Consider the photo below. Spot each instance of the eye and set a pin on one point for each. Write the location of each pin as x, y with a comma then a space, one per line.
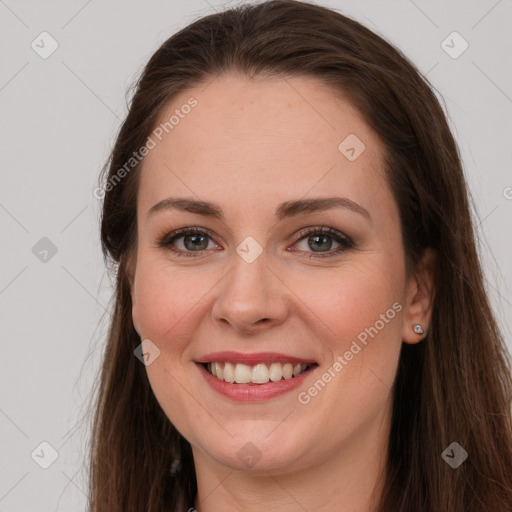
320, 238
186, 241
191, 241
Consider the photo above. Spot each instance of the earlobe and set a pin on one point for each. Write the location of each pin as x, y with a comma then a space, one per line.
420, 299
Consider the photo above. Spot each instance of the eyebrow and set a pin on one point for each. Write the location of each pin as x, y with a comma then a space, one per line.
284, 210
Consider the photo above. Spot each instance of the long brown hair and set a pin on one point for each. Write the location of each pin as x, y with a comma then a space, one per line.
455, 385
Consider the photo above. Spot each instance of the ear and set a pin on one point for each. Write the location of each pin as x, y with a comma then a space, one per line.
130, 274
420, 294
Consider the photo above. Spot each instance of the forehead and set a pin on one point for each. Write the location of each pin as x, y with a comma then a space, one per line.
253, 141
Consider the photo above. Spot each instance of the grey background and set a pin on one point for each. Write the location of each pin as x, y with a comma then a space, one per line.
59, 117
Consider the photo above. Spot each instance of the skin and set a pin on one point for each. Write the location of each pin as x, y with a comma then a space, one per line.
247, 146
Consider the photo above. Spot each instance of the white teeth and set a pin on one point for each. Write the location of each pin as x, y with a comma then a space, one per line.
242, 374
219, 371
287, 370
276, 372
229, 372
260, 373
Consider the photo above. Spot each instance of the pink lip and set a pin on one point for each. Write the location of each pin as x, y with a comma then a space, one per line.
252, 359
253, 392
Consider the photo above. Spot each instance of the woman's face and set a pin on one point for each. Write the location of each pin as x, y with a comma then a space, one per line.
263, 286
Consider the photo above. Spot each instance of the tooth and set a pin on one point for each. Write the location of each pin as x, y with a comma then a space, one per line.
229, 373
260, 374
219, 371
287, 370
276, 372
242, 373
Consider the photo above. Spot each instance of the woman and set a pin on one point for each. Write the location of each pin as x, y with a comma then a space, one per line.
300, 319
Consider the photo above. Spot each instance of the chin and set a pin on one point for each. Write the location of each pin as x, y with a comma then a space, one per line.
258, 452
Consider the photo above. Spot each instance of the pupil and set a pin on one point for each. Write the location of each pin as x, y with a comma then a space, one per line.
322, 239
196, 243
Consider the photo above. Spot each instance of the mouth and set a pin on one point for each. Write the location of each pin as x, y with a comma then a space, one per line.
255, 369
257, 374
254, 377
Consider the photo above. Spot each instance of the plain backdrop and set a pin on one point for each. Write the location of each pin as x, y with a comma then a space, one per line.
59, 116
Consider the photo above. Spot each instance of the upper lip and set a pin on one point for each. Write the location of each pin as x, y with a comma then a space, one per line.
252, 359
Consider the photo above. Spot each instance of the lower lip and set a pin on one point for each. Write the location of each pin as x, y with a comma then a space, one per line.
254, 392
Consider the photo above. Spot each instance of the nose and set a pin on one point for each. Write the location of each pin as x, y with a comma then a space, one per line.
251, 297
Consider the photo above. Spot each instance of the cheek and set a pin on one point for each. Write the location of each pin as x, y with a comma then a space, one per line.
168, 302
352, 299
360, 309
360, 312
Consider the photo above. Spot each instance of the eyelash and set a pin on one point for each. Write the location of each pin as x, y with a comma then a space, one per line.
345, 242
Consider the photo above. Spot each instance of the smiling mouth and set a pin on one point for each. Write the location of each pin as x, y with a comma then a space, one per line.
261, 373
